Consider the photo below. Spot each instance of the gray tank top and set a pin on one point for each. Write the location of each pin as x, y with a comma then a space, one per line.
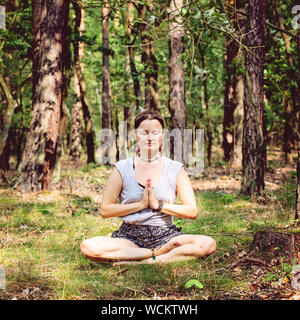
164, 190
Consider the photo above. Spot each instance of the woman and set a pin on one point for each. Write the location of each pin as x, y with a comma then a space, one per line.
147, 184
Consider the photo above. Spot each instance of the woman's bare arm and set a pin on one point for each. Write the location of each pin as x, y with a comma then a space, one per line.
109, 206
188, 207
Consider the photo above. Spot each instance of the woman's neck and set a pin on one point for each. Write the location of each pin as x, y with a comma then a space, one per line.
149, 158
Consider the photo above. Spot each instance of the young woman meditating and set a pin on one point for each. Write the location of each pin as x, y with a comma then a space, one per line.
147, 185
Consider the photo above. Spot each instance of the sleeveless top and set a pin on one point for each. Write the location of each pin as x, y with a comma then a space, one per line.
132, 191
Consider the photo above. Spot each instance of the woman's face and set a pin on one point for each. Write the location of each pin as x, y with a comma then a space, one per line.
149, 135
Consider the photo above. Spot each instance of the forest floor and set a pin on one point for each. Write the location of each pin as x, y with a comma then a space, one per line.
40, 235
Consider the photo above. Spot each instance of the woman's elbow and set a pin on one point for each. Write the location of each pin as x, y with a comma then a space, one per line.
103, 212
194, 212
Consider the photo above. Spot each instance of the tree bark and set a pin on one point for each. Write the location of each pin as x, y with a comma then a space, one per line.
298, 135
234, 92
127, 26
209, 133
9, 104
288, 114
253, 136
150, 62
78, 53
76, 123
236, 156
67, 69
77, 117
288, 137
106, 112
36, 167
5, 119
128, 17
177, 104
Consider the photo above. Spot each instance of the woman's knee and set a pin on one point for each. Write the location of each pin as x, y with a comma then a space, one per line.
85, 247
206, 245
89, 247
211, 245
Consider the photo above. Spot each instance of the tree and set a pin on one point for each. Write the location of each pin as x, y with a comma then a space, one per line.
233, 93
205, 103
253, 136
298, 136
128, 16
287, 114
9, 102
177, 104
36, 167
105, 71
77, 117
67, 74
78, 52
148, 58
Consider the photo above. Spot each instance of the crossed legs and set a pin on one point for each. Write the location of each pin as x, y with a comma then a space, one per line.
122, 251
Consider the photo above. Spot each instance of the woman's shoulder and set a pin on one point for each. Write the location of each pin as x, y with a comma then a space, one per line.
123, 163
173, 163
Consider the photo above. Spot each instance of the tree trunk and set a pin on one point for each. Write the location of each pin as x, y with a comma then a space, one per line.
78, 53
288, 137
128, 17
76, 124
234, 93
77, 117
298, 136
66, 84
177, 105
4, 157
293, 88
209, 133
253, 136
127, 14
36, 167
229, 105
106, 112
238, 116
9, 102
150, 62
5, 119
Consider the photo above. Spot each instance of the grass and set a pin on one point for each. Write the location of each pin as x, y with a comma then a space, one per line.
40, 241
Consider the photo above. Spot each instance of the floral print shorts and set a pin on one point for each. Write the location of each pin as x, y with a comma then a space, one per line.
147, 236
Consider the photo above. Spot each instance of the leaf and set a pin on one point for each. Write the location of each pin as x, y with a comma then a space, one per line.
195, 283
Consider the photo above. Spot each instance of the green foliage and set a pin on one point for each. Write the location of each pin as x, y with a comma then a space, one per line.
194, 283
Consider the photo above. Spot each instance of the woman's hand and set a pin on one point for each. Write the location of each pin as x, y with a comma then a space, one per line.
145, 197
149, 199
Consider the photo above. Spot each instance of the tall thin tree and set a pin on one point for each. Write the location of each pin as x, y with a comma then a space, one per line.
177, 103
67, 74
297, 215
148, 58
253, 135
234, 90
77, 117
89, 133
106, 112
288, 113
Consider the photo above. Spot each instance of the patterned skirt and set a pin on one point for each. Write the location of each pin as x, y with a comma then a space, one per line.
147, 236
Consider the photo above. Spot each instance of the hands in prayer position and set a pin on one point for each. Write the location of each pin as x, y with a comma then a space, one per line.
149, 198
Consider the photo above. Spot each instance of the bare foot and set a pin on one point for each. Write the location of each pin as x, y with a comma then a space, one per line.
168, 247
121, 263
